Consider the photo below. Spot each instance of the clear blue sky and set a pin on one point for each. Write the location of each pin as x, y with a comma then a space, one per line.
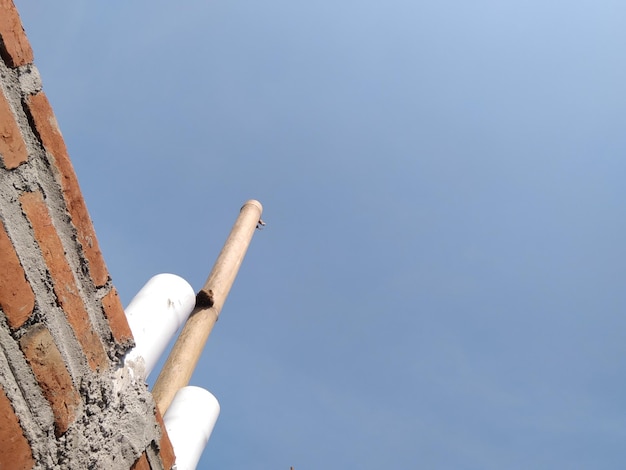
441, 283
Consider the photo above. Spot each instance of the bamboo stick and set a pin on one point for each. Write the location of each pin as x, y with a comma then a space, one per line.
184, 356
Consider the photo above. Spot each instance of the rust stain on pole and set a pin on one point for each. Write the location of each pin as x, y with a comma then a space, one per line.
182, 361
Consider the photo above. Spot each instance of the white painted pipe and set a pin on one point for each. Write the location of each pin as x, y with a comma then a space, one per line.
154, 315
189, 421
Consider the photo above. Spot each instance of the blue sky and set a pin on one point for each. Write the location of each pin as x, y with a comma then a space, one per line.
440, 284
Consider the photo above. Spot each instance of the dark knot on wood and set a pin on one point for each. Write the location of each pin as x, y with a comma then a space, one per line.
204, 299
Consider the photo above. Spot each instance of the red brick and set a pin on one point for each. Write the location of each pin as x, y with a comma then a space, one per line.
15, 49
141, 463
65, 288
54, 379
15, 453
114, 313
166, 451
52, 140
12, 146
17, 299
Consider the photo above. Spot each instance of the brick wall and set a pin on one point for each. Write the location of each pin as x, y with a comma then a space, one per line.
65, 399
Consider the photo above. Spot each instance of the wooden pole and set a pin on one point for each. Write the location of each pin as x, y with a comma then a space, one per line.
184, 356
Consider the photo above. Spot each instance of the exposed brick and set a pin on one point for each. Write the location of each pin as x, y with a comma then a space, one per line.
17, 299
15, 48
15, 451
65, 288
141, 463
114, 312
12, 146
51, 138
49, 368
166, 451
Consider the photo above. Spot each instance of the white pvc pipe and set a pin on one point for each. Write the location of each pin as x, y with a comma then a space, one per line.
189, 421
154, 315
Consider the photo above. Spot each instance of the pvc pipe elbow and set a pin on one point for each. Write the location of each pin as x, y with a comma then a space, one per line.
189, 421
154, 315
